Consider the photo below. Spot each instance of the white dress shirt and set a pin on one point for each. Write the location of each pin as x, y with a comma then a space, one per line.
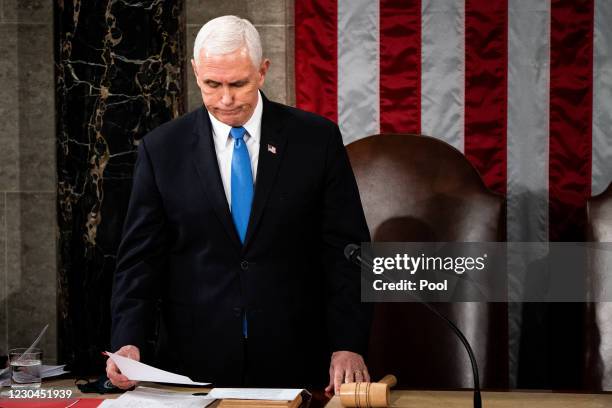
224, 146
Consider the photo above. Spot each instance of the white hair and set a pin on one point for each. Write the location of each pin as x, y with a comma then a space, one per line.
226, 34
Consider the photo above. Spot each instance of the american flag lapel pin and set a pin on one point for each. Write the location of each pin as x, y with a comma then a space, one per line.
272, 149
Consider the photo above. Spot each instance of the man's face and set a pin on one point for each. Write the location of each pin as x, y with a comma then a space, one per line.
229, 84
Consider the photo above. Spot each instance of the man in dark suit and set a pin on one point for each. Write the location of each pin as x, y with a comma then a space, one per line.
234, 236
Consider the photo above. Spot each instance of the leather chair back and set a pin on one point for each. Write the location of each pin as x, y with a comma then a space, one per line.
599, 215
417, 188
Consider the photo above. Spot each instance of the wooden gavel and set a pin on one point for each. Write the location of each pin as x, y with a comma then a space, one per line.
367, 395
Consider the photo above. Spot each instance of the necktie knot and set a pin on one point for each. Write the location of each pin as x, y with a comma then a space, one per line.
237, 133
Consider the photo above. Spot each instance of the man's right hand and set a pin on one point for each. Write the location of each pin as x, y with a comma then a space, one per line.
112, 371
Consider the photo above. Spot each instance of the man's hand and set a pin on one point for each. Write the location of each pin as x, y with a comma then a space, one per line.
113, 373
346, 367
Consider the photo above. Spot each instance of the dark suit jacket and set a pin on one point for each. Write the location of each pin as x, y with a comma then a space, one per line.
181, 255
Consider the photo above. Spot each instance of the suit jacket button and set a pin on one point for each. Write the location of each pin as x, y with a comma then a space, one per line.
244, 265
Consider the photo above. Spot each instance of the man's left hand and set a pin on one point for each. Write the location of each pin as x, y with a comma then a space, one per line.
346, 367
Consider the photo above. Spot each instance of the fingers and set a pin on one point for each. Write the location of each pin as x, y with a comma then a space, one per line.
112, 371
121, 381
124, 385
349, 375
346, 367
338, 379
356, 375
114, 375
130, 352
330, 386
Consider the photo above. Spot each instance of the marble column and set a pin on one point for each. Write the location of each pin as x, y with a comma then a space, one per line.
120, 68
27, 176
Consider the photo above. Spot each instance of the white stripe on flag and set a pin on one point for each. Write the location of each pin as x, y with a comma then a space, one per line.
358, 69
601, 174
527, 144
528, 101
443, 70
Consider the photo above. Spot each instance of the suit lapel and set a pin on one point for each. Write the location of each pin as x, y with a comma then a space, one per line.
206, 163
271, 150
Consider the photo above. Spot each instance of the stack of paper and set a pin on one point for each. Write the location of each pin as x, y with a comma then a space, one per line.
145, 397
257, 397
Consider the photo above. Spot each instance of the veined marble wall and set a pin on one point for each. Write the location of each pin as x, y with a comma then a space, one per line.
27, 176
120, 73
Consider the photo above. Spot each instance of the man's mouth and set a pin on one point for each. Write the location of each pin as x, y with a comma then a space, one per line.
229, 111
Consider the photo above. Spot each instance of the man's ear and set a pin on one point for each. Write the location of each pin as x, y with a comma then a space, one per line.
263, 70
195, 71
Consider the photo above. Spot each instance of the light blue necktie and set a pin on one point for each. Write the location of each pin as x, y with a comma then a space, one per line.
242, 192
242, 182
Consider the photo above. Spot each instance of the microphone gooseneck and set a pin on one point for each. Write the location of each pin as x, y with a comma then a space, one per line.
352, 252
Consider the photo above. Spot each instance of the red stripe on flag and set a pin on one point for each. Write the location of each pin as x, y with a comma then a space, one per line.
486, 61
316, 57
571, 104
400, 66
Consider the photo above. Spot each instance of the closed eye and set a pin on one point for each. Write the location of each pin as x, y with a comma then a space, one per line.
212, 84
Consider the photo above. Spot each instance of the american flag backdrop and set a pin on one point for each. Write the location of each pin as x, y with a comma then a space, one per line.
522, 87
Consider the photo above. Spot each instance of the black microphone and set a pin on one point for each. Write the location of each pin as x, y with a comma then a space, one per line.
352, 252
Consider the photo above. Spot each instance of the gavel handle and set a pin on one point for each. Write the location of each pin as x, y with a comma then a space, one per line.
389, 379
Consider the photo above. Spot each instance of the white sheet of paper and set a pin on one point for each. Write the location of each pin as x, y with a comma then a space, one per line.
51, 368
47, 371
275, 394
137, 371
145, 397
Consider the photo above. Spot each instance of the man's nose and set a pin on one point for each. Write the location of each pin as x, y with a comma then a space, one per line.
228, 97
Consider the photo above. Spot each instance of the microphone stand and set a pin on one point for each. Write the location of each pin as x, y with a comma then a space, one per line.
353, 253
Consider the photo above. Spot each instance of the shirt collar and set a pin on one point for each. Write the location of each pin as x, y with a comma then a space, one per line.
221, 131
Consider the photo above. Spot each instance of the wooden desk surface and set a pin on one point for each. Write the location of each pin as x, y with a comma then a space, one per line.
464, 399
429, 399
